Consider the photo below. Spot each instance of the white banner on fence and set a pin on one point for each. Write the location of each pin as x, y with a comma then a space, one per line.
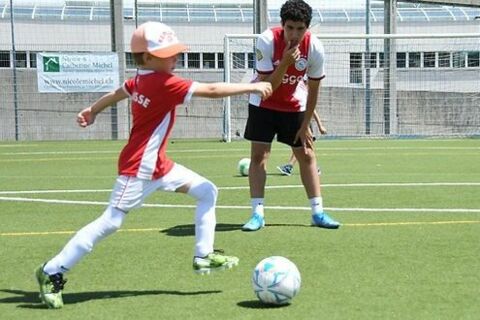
77, 72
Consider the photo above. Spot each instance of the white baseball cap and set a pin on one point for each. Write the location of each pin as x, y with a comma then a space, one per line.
156, 38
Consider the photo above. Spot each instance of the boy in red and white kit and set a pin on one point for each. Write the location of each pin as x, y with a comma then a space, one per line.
284, 57
143, 165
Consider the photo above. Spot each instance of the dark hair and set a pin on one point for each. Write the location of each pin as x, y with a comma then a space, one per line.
296, 10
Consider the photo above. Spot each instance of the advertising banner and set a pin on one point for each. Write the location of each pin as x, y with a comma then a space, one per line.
77, 72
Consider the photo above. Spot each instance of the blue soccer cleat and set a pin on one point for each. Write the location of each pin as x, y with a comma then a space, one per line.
255, 223
323, 220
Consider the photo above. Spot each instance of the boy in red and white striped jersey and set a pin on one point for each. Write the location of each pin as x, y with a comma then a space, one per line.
144, 166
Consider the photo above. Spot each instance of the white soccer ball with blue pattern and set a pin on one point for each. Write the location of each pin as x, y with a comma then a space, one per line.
276, 280
243, 166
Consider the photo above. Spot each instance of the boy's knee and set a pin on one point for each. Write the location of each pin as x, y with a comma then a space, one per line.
204, 189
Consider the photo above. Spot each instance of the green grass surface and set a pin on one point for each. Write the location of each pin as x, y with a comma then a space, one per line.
408, 248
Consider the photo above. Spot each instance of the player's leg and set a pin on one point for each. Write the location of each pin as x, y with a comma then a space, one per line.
50, 275
184, 180
309, 175
260, 130
127, 194
257, 177
290, 124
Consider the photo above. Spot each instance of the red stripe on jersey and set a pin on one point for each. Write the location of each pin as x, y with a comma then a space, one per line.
154, 96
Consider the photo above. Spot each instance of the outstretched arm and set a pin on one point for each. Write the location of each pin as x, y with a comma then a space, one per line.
87, 116
223, 89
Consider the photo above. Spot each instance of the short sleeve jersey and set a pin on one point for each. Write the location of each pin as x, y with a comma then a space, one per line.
291, 95
154, 97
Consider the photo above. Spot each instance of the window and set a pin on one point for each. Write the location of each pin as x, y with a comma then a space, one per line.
371, 60
220, 60
129, 62
251, 60
180, 61
33, 59
4, 59
458, 59
444, 60
356, 72
208, 60
473, 59
355, 60
381, 59
401, 59
414, 60
20, 59
193, 60
429, 59
238, 60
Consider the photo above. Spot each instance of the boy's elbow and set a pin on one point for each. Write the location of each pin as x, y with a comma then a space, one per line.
212, 91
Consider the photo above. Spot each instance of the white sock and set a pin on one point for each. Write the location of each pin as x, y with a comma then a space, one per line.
84, 241
206, 194
257, 206
317, 204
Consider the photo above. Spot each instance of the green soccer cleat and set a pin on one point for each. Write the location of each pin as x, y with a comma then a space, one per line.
214, 261
51, 287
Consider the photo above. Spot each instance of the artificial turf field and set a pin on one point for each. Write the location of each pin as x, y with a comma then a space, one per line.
408, 248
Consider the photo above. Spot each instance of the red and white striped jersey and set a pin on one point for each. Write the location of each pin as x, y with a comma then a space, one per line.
291, 95
154, 97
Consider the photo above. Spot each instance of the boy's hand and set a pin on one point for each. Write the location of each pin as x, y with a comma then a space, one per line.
291, 54
322, 129
264, 89
86, 117
304, 134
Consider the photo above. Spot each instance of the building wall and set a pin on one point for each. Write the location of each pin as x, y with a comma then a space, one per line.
428, 101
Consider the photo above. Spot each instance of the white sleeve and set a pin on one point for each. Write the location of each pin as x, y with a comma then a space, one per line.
316, 60
190, 92
264, 52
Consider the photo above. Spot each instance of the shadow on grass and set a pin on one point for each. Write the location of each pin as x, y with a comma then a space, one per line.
186, 230
268, 174
256, 304
30, 300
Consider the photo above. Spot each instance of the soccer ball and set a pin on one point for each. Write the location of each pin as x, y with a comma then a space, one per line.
276, 280
243, 166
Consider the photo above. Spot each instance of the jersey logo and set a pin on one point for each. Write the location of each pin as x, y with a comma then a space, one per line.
258, 54
141, 99
301, 64
291, 79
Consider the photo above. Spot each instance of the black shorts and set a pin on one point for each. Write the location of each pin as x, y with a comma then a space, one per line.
263, 124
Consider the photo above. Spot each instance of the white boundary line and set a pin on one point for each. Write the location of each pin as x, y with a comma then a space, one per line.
238, 149
103, 203
392, 184
287, 186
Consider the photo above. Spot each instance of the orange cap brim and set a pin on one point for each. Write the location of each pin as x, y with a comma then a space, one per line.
169, 51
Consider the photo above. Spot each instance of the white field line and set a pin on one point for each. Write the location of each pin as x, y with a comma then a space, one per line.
104, 203
237, 149
288, 186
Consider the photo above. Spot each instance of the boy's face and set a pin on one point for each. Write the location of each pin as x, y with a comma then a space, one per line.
294, 31
161, 64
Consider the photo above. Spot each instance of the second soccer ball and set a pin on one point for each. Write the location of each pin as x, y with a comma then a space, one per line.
243, 166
